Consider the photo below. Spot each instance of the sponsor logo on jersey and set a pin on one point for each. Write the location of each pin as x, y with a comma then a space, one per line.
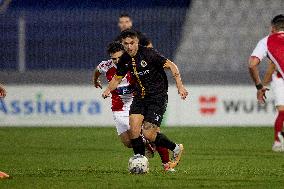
143, 63
145, 72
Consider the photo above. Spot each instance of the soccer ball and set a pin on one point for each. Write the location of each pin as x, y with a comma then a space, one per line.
138, 164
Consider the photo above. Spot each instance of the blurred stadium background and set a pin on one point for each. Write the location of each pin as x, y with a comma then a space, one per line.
59, 43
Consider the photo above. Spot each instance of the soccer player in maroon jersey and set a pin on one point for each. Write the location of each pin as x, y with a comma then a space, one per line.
272, 46
151, 88
122, 98
125, 22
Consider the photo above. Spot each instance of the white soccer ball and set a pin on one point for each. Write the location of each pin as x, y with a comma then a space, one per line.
138, 164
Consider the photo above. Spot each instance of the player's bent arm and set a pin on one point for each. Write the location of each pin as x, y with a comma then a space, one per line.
174, 69
176, 75
96, 80
269, 72
253, 70
116, 80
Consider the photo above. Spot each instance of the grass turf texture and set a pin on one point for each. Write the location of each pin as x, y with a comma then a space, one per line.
95, 158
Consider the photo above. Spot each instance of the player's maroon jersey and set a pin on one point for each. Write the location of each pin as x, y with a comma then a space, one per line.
275, 47
147, 68
122, 96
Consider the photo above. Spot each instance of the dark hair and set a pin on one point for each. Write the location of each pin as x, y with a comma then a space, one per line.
128, 33
124, 15
278, 22
114, 47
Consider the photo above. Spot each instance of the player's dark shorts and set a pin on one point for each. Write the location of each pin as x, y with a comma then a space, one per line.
152, 108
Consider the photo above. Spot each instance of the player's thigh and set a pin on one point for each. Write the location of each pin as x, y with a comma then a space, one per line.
277, 85
136, 116
136, 121
121, 119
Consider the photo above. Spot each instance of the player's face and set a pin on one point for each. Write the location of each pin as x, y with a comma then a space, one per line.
116, 56
124, 23
130, 45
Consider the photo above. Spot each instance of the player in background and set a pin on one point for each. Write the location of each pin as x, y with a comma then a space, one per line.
122, 96
272, 46
2, 91
122, 99
151, 88
125, 23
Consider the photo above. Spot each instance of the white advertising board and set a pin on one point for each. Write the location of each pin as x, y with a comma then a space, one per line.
220, 106
54, 106
83, 106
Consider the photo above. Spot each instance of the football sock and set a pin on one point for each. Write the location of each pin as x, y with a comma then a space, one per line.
163, 141
138, 146
164, 154
278, 125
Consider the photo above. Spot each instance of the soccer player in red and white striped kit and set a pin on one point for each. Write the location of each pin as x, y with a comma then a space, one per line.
272, 46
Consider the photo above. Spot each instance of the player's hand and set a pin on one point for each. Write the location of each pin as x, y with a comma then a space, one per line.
2, 92
106, 93
97, 84
182, 92
260, 94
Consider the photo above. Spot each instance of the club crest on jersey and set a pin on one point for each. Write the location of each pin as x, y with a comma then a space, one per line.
143, 63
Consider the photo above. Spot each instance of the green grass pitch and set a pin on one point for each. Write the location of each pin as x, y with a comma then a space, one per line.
234, 157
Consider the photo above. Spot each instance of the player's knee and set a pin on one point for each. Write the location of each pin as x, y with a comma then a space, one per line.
135, 131
151, 136
149, 126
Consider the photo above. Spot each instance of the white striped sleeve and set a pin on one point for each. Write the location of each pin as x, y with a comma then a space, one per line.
260, 50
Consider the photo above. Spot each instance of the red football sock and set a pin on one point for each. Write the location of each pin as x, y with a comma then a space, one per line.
278, 126
164, 154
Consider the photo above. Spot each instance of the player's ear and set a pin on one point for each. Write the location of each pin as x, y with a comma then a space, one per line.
273, 29
136, 39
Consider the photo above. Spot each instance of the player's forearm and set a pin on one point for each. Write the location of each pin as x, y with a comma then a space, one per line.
113, 84
268, 74
176, 75
253, 70
254, 74
96, 76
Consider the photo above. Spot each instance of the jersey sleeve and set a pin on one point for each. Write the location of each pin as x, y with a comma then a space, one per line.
102, 67
156, 58
122, 67
260, 50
